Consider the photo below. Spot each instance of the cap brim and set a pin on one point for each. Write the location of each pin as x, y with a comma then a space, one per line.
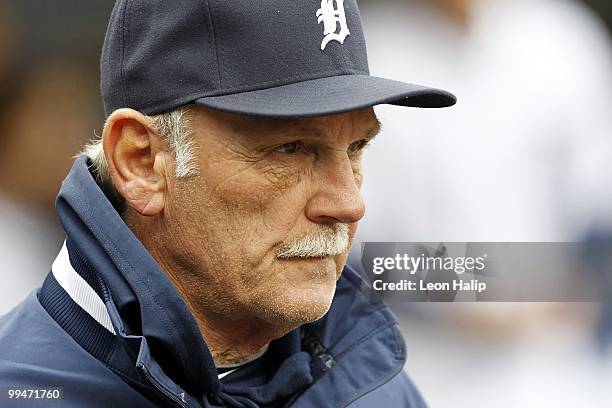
328, 96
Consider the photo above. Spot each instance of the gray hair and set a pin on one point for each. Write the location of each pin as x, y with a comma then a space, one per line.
330, 241
174, 127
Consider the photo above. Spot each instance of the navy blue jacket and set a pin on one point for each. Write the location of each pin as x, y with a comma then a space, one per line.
109, 328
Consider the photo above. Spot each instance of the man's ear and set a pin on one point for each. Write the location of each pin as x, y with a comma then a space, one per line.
138, 160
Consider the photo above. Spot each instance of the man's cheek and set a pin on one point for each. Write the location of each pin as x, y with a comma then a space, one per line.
281, 176
245, 195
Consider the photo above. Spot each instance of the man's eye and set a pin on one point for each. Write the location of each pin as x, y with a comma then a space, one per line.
358, 146
288, 148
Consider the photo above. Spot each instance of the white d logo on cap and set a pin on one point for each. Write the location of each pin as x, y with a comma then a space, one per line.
332, 20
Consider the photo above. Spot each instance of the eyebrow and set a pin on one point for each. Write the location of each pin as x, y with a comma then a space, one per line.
369, 134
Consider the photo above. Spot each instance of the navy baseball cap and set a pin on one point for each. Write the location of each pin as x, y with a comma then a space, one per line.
275, 58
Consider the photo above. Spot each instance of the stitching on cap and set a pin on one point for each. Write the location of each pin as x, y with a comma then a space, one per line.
285, 81
214, 33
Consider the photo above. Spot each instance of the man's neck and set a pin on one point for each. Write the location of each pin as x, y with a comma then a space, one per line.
231, 339
236, 341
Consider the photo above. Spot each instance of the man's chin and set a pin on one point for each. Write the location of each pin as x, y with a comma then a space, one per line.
296, 307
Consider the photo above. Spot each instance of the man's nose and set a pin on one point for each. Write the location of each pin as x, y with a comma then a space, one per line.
337, 197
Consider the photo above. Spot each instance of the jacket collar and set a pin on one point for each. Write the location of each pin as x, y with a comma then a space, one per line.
144, 301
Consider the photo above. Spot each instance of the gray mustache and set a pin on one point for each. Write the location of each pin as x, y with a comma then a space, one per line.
331, 241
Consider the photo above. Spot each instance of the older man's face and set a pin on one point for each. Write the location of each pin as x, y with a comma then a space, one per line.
264, 229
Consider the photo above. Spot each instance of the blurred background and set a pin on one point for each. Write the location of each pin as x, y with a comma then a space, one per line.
526, 155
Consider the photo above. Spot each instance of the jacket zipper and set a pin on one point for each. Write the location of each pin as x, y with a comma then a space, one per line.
161, 388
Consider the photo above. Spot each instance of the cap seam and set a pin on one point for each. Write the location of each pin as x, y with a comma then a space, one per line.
285, 81
344, 59
363, 35
214, 33
124, 28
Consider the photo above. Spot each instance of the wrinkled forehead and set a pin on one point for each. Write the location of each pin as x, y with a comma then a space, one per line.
359, 123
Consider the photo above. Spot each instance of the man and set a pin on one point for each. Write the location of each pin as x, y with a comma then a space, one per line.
208, 228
